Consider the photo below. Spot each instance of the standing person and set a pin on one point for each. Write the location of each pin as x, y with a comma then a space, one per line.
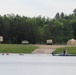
64, 52
53, 53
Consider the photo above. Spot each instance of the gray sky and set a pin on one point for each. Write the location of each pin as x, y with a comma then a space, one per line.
31, 8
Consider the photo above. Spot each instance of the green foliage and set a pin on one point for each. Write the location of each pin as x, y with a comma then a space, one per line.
74, 11
16, 48
15, 28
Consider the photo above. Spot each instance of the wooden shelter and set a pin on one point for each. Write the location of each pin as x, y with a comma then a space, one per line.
49, 42
1, 39
71, 42
25, 42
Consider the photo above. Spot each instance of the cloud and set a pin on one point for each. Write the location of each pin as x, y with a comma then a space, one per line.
36, 7
54, 6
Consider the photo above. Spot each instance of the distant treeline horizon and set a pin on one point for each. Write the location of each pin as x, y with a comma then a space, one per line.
36, 30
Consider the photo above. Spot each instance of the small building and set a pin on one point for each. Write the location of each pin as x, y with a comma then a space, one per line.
1, 39
71, 42
25, 42
49, 42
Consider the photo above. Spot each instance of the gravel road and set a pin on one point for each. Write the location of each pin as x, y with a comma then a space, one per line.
46, 49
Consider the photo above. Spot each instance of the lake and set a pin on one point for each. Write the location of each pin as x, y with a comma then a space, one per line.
37, 64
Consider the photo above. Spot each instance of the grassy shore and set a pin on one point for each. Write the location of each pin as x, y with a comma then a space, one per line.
16, 48
70, 50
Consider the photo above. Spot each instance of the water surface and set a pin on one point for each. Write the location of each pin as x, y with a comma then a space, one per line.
37, 64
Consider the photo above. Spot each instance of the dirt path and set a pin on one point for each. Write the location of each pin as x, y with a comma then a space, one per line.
46, 49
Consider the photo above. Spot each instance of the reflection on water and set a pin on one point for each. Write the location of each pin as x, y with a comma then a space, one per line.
37, 64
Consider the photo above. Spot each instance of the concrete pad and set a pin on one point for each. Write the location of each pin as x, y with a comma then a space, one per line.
43, 51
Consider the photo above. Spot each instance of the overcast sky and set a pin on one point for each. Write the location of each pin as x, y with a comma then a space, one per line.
31, 8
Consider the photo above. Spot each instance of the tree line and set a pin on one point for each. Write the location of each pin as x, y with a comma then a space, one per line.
36, 30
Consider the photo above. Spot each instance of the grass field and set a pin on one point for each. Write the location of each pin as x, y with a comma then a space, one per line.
16, 48
70, 50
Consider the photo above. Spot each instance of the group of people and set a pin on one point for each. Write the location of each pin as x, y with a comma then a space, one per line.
64, 52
